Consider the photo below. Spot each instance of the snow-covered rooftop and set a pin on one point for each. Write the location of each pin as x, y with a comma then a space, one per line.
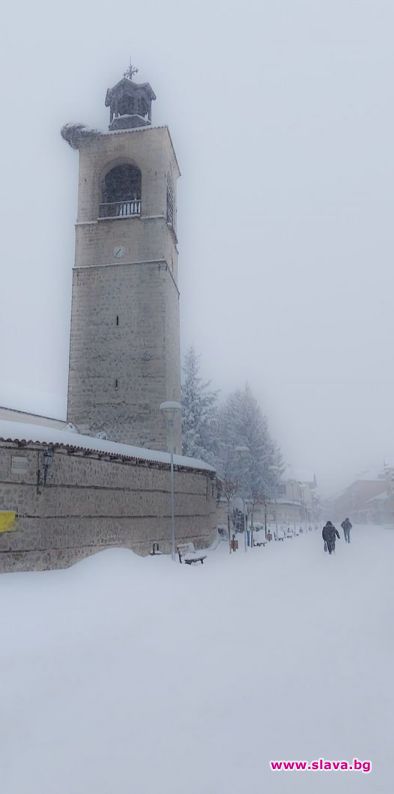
300, 475
381, 497
42, 434
371, 475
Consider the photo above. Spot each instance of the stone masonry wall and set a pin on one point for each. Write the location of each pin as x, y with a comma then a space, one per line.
91, 503
124, 341
124, 356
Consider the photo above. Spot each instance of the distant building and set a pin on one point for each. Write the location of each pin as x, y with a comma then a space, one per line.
294, 503
368, 500
297, 501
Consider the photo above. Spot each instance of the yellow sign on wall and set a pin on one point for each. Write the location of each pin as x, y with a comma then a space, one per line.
7, 520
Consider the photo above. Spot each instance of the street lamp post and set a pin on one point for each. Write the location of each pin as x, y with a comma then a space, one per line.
246, 524
242, 452
277, 470
229, 490
171, 410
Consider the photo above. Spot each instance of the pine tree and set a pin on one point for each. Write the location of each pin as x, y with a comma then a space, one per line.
248, 454
198, 412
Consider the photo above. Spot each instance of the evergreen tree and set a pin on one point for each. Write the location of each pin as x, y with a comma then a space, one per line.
248, 455
198, 412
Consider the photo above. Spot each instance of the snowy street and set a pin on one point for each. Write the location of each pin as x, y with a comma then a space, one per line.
126, 674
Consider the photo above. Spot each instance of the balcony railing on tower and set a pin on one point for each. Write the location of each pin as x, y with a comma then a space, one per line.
120, 209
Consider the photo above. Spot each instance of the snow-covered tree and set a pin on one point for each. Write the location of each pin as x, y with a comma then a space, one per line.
248, 455
199, 412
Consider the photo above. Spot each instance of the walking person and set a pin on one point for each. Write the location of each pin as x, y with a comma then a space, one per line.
329, 534
346, 526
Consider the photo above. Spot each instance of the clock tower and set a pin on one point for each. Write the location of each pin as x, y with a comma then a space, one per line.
124, 343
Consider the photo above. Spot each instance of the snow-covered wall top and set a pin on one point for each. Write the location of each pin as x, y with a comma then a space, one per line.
19, 431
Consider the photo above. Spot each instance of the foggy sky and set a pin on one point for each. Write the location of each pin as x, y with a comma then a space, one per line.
281, 113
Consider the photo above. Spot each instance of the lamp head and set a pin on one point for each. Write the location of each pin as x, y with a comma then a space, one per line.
171, 411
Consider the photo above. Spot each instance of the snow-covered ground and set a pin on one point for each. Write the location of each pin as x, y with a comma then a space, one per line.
125, 675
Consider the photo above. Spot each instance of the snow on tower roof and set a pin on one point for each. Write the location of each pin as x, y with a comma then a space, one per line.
125, 84
71, 440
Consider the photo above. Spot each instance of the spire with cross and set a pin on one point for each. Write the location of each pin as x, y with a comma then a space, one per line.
131, 71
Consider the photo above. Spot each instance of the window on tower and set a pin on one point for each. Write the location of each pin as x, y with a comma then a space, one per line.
170, 203
121, 192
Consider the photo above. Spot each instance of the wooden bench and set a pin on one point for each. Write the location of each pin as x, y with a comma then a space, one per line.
188, 554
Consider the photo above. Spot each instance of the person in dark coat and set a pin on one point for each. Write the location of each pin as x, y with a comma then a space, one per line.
346, 526
329, 534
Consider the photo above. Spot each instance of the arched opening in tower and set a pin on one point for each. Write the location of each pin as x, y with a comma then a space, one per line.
121, 192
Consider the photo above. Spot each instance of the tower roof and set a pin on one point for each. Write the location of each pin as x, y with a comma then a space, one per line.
129, 102
125, 85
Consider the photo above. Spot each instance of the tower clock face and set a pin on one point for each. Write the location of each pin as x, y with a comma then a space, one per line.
119, 251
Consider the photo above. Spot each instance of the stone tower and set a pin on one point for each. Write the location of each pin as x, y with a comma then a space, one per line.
124, 345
